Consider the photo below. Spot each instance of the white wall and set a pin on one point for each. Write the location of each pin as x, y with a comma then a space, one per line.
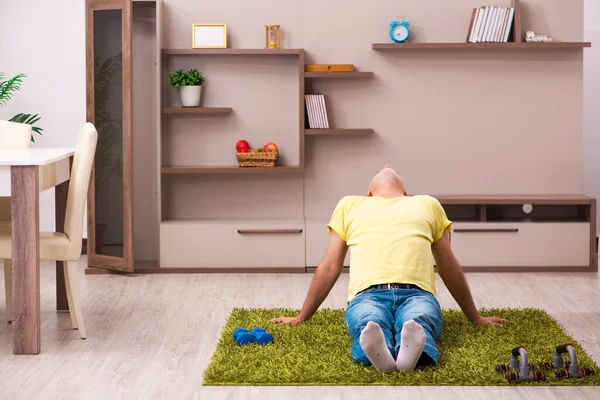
46, 40
591, 122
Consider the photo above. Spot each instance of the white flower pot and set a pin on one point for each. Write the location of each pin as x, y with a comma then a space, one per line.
190, 95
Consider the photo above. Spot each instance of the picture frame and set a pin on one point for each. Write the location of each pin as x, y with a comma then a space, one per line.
209, 36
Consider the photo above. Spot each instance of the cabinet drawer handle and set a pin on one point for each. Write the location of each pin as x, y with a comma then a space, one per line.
484, 230
243, 231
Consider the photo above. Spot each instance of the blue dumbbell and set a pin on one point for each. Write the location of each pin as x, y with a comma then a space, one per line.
255, 331
242, 336
262, 337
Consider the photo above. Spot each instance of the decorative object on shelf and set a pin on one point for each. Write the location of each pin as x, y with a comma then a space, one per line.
329, 68
209, 36
316, 112
190, 86
531, 37
399, 32
265, 156
491, 24
7, 89
272, 36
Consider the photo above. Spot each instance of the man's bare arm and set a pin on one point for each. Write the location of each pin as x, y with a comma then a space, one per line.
326, 275
454, 278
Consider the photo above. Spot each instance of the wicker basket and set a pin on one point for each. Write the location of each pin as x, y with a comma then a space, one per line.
261, 159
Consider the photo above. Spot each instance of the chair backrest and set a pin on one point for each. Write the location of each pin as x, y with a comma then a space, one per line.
14, 135
79, 183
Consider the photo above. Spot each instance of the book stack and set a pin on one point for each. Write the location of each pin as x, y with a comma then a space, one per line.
491, 24
316, 111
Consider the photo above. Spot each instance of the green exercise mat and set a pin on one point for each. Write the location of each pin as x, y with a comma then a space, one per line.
318, 352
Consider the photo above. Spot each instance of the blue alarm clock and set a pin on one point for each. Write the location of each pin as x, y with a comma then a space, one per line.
399, 32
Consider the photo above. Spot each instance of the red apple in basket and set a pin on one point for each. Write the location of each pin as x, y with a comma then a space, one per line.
271, 148
240, 145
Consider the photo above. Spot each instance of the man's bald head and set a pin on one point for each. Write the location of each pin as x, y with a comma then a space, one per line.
387, 183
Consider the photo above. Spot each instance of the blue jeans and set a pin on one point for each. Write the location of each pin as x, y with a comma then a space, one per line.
390, 309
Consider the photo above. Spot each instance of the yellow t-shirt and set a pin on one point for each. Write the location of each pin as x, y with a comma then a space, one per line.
389, 239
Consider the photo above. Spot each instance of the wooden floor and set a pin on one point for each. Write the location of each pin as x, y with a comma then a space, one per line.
152, 336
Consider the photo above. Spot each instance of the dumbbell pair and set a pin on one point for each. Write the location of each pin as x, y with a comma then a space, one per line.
243, 337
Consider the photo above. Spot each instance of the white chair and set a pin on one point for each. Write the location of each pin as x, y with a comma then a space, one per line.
66, 246
13, 135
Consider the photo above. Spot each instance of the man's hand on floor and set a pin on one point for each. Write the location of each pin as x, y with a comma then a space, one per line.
293, 321
495, 321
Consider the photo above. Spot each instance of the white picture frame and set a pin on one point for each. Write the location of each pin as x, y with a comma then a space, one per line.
209, 36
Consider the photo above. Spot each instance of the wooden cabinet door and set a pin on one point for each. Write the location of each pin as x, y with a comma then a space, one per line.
109, 108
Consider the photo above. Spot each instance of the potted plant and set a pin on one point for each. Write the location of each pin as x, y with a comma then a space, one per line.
190, 86
7, 89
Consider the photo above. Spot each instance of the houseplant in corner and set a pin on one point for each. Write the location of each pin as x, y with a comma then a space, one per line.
190, 86
7, 89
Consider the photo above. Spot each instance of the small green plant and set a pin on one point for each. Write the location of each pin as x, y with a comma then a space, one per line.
7, 89
180, 78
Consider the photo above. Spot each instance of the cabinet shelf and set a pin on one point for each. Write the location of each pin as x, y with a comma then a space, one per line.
338, 75
233, 52
196, 110
217, 169
338, 132
232, 221
489, 46
495, 199
509, 208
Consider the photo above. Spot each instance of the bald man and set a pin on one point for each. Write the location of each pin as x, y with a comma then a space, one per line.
392, 313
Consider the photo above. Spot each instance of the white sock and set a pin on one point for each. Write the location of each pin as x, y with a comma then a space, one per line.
373, 344
411, 346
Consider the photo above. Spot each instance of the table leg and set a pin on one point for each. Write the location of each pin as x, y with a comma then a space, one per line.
26, 259
60, 201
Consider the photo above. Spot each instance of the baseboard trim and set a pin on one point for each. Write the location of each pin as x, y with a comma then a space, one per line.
198, 270
593, 268
300, 270
531, 269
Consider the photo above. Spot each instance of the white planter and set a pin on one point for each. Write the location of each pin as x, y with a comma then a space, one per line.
190, 95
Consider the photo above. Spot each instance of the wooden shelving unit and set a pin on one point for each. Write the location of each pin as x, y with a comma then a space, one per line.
338, 132
484, 226
338, 75
550, 236
489, 46
517, 42
205, 169
233, 52
196, 110
200, 169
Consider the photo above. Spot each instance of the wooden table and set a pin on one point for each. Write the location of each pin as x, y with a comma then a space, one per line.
24, 173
